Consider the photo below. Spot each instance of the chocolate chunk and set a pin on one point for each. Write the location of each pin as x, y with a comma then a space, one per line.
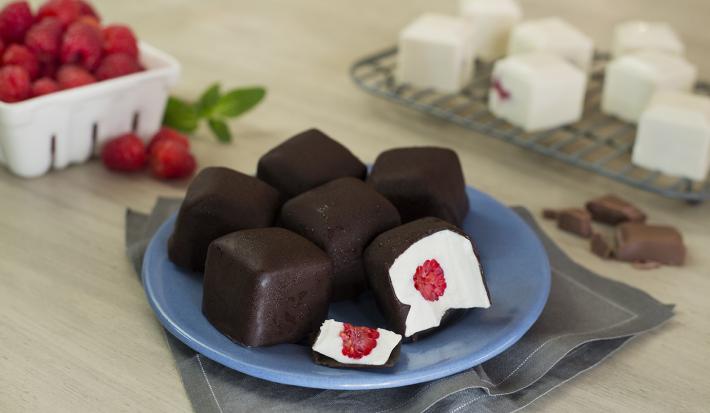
420, 272
266, 286
601, 247
613, 210
341, 217
641, 242
343, 345
548, 213
218, 201
307, 160
422, 182
576, 221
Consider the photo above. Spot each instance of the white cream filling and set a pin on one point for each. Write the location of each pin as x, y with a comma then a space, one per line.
330, 344
462, 272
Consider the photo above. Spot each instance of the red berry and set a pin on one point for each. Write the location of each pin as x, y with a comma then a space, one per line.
15, 19
85, 9
125, 153
67, 11
81, 45
14, 84
429, 280
170, 159
115, 65
44, 39
21, 56
120, 39
166, 133
358, 341
70, 76
44, 86
48, 69
2, 46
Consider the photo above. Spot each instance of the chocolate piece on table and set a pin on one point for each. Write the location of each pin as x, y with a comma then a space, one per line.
422, 182
549, 213
600, 247
346, 346
305, 161
613, 210
266, 286
640, 242
576, 221
219, 201
341, 217
419, 272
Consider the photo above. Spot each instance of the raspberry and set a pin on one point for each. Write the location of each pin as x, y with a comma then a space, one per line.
125, 153
170, 134
67, 11
429, 280
14, 84
81, 45
44, 86
120, 39
44, 39
115, 65
15, 19
70, 76
170, 159
21, 56
358, 341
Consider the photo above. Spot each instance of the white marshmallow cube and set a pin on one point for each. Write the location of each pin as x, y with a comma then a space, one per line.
634, 36
537, 91
492, 22
435, 51
674, 135
553, 35
631, 80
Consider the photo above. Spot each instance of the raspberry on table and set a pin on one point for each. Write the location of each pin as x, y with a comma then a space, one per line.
166, 133
170, 159
71, 76
116, 65
429, 280
44, 86
44, 39
15, 19
82, 45
14, 84
120, 39
125, 153
67, 11
358, 342
21, 56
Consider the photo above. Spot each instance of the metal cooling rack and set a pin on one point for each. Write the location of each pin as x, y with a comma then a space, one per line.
598, 142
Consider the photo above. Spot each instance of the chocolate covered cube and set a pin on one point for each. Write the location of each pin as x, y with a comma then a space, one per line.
492, 21
422, 182
575, 220
305, 161
344, 345
266, 286
637, 242
218, 201
610, 209
341, 217
419, 272
636, 35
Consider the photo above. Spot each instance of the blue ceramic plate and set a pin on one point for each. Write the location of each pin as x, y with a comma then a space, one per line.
516, 269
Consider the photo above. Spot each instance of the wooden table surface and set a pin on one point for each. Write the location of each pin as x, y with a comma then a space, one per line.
76, 332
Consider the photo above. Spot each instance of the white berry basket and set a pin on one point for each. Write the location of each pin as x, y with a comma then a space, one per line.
67, 127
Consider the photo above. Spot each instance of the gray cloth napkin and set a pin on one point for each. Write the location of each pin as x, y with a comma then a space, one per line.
586, 319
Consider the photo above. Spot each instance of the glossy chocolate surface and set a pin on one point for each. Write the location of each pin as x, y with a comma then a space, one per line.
575, 220
655, 243
611, 209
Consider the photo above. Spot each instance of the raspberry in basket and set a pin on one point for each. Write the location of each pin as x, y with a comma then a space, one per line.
44, 39
44, 86
67, 11
116, 65
14, 84
82, 45
120, 39
21, 56
70, 76
15, 19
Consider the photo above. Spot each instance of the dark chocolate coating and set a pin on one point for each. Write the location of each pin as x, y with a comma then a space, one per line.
266, 286
641, 242
341, 217
219, 201
324, 360
305, 161
610, 209
422, 182
576, 221
381, 254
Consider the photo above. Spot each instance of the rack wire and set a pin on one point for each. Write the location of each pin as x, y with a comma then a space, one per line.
598, 142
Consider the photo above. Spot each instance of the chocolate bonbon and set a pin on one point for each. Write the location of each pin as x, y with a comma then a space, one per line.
576, 221
637, 242
266, 286
610, 209
346, 346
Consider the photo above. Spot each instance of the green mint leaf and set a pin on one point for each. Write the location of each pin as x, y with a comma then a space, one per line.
238, 101
221, 130
208, 100
180, 115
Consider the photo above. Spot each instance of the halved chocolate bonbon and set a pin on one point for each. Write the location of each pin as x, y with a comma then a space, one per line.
266, 286
344, 345
420, 271
218, 201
